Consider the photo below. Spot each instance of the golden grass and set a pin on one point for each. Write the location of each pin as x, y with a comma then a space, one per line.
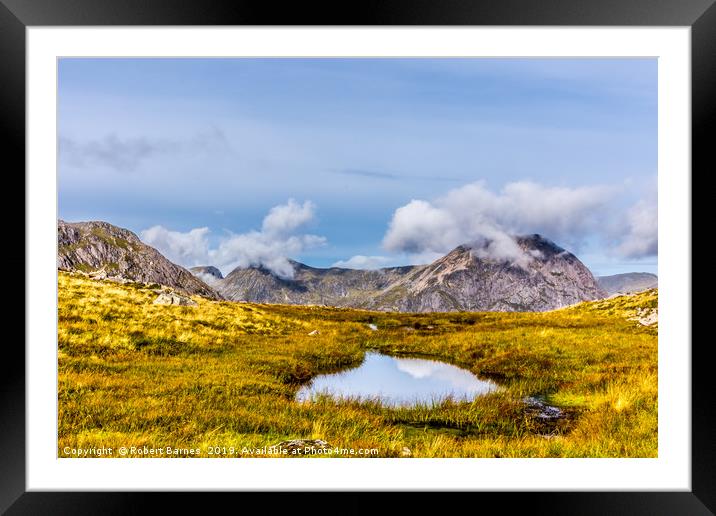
224, 375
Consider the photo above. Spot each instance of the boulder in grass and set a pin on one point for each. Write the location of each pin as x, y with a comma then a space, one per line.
301, 446
171, 298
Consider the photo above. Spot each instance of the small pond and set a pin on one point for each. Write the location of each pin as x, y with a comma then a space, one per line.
399, 382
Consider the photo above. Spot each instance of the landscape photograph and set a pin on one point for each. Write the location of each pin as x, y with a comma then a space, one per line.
274, 258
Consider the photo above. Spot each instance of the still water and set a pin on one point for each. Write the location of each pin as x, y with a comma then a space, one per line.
399, 382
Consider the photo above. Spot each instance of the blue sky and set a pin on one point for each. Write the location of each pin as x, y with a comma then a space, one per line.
392, 160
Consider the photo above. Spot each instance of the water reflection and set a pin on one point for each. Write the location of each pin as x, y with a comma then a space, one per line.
397, 381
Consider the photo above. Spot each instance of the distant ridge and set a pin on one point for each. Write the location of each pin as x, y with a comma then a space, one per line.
628, 283
208, 274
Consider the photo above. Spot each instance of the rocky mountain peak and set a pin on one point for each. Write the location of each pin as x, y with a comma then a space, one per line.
537, 242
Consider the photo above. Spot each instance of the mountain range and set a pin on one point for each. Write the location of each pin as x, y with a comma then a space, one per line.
465, 279
462, 280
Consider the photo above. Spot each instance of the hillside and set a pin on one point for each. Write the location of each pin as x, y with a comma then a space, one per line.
107, 251
640, 307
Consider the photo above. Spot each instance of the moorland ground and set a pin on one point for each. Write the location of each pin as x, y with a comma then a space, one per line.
225, 374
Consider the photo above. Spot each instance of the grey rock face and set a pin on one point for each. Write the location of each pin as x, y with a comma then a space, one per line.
459, 281
110, 252
628, 283
334, 287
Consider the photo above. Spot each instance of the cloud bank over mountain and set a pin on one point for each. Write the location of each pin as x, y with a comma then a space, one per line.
423, 230
280, 237
475, 214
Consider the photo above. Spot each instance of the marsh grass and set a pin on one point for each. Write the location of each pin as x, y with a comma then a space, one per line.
131, 373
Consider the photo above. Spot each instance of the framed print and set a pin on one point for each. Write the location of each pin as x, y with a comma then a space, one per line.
422, 252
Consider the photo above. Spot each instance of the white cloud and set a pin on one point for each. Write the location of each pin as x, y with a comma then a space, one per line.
419, 226
207, 278
475, 215
189, 248
269, 248
286, 218
262, 249
365, 262
497, 245
641, 231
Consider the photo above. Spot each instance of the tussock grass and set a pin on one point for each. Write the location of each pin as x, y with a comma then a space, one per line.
225, 375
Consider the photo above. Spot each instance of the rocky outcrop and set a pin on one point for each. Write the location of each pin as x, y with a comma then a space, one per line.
303, 446
109, 252
646, 316
170, 298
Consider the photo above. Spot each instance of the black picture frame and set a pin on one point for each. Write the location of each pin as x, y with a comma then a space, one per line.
17, 15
